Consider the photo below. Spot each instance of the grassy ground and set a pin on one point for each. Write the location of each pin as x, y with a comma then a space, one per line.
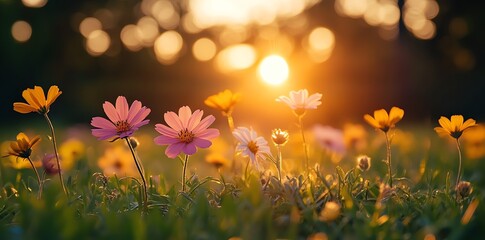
232, 203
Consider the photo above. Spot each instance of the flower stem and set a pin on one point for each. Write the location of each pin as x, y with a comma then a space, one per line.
184, 170
138, 166
39, 194
388, 158
230, 122
54, 143
458, 177
279, 160
300, 121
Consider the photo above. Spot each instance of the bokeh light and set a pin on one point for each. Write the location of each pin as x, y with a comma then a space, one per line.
274, 70
319, 44
89, 25
204, 49
147, 30
21, 31
167, 46
34, 3
236, 57
97, 42
131, 38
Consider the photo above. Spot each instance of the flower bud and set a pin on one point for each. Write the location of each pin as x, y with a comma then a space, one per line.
49, 164
363, 162
279, 137
330, 212
134, 142
464, 189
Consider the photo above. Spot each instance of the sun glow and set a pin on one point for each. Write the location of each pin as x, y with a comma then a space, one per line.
273, 70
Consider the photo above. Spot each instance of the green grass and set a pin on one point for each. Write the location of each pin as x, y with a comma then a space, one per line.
422, 205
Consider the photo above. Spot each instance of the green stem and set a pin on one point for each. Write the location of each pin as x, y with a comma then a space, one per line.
458, 177
279, 161
54, 143
300, 121
388, 146
39, 194
184, 170
230, 122
138, 166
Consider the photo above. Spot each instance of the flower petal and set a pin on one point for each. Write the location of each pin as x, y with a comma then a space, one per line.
166, 131
122, 107
202, 143
371, 121
467, 124
165, 140
445, 123
173, 121
189, 148
111, 112
208, 134
184, 116
23, 107
52, 95
194, 120
204, 124
134, 110
173, 150
395, 115
101, 122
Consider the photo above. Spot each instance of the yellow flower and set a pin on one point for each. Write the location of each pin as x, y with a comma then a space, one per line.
118, 161
384, 121
36, 100
355, 136
474, 140
22, 147
217, 160
14, 161
454, 127
223, 101
71, 151
279, 137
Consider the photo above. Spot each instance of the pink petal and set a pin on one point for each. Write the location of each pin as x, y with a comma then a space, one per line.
173, 121
184, 115
140, 124
127, 133
134, 109
164, 140
173, 150
110, 111
194, 119
164, 130
208, 134
101, 122
103, 134
190, 148
202, 143
204, 124
122, 107
142, 114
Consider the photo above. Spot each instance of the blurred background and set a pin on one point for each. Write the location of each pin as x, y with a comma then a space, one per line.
425, 56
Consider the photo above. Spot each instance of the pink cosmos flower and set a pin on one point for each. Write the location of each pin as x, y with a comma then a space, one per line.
250, 144
329, 138
185, 132
299, 101
123, 120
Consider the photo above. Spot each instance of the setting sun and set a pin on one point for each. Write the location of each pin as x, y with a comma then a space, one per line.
273, 70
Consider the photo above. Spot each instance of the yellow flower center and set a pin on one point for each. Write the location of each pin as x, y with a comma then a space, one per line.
186, 136
253, 147
122, 126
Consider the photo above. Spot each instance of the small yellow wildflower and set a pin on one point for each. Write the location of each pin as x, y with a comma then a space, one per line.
223, 101
474, 140
454, 127
384, 121
279, 137
22, 147
14, 161
217, 160
36, 100
117, 161
71, 151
